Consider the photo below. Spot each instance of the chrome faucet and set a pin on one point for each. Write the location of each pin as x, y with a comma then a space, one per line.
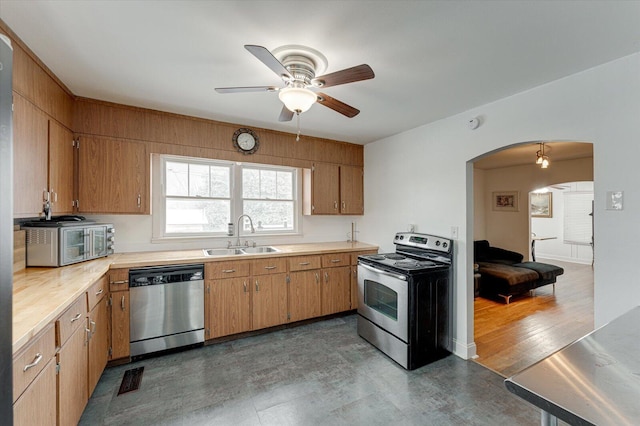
253, 230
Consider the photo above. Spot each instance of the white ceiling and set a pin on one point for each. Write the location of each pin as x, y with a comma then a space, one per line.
432, 59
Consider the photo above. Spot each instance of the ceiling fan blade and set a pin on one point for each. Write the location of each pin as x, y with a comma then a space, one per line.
337, 105
286, 114
349, 75
247, 89
269, 60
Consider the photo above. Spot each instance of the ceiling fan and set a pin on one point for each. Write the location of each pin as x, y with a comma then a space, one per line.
298, 66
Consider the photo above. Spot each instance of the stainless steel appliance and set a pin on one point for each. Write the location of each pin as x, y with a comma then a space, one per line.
167, 307
6, 228
67, 239
404, 299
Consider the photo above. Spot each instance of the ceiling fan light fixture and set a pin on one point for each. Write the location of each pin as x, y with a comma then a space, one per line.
541, 159
297, 99
545, 162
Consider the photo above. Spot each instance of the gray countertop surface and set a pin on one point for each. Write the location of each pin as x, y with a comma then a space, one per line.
595, 380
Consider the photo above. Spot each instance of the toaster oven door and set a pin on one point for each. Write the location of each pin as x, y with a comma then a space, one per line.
74, 245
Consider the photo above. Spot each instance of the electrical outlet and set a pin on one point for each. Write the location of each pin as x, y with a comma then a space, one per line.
454, 232
411, 227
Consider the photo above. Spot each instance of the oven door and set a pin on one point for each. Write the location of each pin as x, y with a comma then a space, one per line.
383, 300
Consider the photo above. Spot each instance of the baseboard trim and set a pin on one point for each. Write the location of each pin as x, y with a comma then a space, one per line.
463, 350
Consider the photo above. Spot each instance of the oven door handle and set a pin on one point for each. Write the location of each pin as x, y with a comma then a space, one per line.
378, 271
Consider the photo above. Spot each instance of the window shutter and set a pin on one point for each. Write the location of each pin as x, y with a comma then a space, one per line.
577, 217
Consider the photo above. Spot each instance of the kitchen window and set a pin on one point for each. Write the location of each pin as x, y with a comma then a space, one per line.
195, 197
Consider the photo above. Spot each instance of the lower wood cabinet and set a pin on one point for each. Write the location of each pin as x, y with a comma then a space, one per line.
336, 290
72, 376
304, 294
98, 343
269, 301
34, 381
228, 303
120, 324
37, 405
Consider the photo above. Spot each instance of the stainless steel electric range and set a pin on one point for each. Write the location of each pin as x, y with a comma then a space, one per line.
405, 299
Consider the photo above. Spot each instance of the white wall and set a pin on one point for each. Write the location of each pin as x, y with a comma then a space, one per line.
511, 230
554, 227
133, 233
421, 176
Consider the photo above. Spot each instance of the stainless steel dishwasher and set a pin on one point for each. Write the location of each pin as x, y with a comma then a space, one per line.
167, 307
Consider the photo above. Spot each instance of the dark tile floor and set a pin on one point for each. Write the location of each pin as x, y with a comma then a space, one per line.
317, 374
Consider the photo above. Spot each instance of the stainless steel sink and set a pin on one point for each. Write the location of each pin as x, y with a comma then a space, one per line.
222, 252
260, 249
239, 251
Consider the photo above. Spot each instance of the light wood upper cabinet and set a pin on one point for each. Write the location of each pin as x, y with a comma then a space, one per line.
269, 300
304, 294
228, 307
61, 168
113, 176
30, 157
351, 190
333, 189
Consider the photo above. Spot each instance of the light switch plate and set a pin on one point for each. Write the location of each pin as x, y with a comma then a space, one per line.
615, 200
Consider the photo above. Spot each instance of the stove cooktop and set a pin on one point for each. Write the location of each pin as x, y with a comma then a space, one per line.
401, 262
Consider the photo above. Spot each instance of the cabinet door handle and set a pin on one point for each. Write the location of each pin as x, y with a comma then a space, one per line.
93, 327
335, 205
326, 277
122, 303
336, 260
270, 267
304, 263
257, 287
317, 278
139, 201
86, 342
99, 292
76, 318
35, 362
228, 271
344, 206
245, 286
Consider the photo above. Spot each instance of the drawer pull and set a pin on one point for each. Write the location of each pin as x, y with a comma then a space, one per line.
120, 282
76, 318
270, 267
305, 263
99, 292
228, 271
35, 362
335, 260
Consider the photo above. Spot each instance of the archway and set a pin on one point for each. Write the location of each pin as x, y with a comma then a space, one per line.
512, 169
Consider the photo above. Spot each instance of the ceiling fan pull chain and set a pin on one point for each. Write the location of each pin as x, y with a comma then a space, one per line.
298, 119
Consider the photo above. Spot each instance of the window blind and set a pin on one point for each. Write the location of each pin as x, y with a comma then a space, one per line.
577, 220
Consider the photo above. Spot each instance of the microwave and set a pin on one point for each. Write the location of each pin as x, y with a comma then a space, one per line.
65, 243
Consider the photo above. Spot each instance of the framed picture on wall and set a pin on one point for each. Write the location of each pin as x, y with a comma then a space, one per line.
505, 201
541, 204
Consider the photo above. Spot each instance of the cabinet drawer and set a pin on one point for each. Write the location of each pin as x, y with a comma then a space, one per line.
336, 259
229, 269
275, 265
96, 292
354, 256
303, 263
71, 319
32, 359
119, 279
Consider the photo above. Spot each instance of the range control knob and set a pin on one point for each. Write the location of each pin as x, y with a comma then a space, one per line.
438, 243
444, 245
402, 237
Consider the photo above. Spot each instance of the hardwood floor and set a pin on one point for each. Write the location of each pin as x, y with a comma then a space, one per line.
512, 337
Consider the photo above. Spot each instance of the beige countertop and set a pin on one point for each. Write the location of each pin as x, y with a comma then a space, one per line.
40, 295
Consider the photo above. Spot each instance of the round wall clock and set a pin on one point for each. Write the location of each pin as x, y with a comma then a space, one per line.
246, 141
